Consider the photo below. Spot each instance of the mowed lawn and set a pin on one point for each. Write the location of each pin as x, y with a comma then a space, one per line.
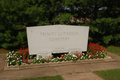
57, 77
109, 74
2, 51
113, 49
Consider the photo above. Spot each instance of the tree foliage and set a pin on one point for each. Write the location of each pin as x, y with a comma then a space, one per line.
16, 15
106, 30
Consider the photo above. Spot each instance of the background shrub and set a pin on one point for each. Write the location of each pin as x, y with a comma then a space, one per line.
16, 15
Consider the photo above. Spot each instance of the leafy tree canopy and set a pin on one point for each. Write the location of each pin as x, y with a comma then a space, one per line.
15, 15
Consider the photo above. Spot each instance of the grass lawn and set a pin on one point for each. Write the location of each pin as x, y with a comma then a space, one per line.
57, 77
4, 51
109, 74
113, 49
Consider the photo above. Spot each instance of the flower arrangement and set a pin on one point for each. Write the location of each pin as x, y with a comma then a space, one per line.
94, 51
94, 47
18, 58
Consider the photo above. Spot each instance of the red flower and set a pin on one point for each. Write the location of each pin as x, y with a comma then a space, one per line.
62, 56
27, 58
91, 56
12, 57
77, 54
94, 47
98, 54
88, 53
95, 56
80, 55
27, 62
20, 51
48, 60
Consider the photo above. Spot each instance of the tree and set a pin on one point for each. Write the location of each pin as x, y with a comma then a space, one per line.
16, 15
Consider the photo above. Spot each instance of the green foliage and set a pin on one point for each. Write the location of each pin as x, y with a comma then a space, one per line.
57, 77
62, 18
15, 15
105, 30
21, 38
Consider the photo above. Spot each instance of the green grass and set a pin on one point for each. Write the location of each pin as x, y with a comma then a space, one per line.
75, 73
70, 73
109, 74
2, 51
57, 77
78, 72
113, 49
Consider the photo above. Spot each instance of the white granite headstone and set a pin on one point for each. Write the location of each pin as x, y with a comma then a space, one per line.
44, 40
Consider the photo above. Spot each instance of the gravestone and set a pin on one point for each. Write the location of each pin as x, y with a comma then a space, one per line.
45, 40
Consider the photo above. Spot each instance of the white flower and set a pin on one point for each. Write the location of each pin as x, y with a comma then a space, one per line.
74, 55
17, 58
86, 54
30, 56
89, 56
13, 60
82, 57
52, 60
9, 52
10, 63
12, 51
7, 55
83, 53
37, 58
